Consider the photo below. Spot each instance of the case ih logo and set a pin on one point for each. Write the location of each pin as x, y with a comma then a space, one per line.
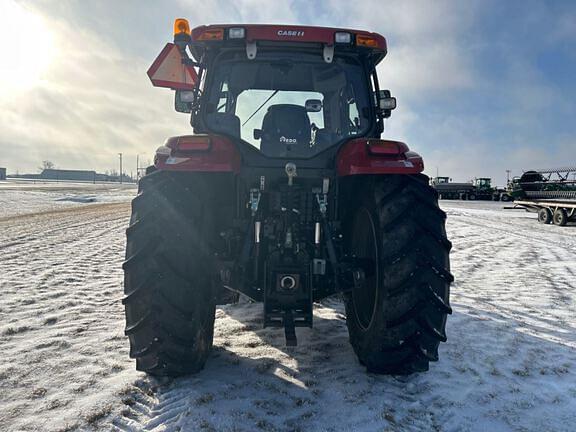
290, 33
288, 140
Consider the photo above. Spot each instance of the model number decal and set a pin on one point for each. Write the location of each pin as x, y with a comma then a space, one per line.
290, 33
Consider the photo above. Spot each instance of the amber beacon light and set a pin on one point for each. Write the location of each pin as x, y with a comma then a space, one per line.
181, 26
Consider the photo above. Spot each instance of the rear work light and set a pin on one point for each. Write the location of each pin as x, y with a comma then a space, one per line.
212, 34
367, 41
388, 103
386, 148
236, 33
342, 37
189, 144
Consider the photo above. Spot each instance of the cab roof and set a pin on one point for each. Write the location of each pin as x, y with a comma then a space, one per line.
277, 33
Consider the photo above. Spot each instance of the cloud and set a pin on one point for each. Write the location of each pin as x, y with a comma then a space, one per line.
425, 38
481, 88
92, 103
95, 99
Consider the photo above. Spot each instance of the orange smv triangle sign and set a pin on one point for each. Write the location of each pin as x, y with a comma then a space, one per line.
169, 71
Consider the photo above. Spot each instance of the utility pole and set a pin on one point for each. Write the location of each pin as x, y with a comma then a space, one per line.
507, 176
137, 168
120, 154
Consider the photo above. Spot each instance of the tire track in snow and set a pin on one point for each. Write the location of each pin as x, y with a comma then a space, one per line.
523, 225
517, 274
509, 363
64, 356
253, 382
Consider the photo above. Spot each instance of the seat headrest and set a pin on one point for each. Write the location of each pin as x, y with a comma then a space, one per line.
285, 127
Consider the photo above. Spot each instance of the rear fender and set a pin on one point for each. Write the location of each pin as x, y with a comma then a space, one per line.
376, 156
198, 153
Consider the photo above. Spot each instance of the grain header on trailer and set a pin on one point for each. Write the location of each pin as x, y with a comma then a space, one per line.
551, 193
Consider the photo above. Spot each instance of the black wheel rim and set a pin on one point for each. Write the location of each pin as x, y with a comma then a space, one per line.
365, 248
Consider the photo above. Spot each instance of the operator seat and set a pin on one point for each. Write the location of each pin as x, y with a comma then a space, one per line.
285, 131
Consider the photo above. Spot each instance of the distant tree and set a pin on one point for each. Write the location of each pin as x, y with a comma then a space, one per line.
46, 164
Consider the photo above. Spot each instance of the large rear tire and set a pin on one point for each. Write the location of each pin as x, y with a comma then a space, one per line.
170, 297
396, 318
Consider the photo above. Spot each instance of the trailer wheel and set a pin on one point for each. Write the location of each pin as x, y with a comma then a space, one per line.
544, 216
396, 316
471, 197
560, 217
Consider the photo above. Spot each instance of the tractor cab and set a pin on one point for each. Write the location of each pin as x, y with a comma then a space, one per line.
440, 180
288, 92
483, 183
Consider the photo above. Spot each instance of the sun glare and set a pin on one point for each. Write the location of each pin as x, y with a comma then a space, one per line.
27, 46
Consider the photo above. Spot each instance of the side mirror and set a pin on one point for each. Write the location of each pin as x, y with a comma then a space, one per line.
183, 100
313, 105
386, 103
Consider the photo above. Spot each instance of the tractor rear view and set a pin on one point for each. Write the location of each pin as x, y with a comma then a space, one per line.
287, 194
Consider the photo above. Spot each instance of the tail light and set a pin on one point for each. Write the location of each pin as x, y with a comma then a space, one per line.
198, 153
367, 41
386, 148
189, 144
376, 156
211, 34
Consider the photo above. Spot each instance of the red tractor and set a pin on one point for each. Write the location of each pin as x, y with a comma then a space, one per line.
287, 194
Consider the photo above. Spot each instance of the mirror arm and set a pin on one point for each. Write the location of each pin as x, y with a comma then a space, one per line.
195, 108
189, 62
379, 115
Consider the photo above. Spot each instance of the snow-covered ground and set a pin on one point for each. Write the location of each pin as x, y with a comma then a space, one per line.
509, 363
27, 196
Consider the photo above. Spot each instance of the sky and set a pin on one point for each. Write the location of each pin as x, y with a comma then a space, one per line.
483, 86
